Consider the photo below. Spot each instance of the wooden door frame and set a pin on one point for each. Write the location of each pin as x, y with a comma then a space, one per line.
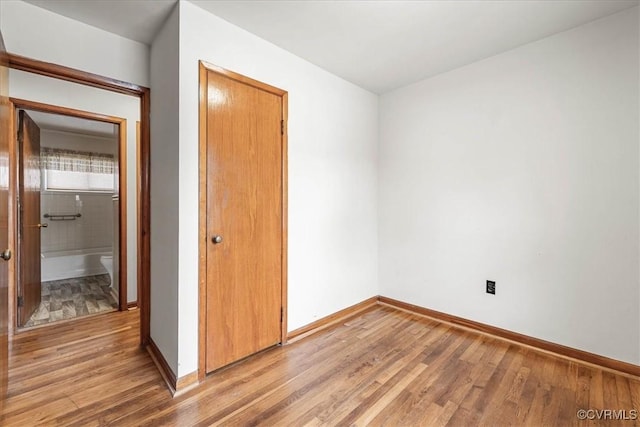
204, 68
23, 104
5, 118
143, 187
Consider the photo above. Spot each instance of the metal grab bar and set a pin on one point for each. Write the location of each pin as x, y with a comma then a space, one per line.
62, 217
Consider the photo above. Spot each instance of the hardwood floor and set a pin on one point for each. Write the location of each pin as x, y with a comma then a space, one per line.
383, 367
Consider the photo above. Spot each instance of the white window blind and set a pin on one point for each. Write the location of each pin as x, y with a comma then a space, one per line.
77, 170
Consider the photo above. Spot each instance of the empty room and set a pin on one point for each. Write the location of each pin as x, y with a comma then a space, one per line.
404, 213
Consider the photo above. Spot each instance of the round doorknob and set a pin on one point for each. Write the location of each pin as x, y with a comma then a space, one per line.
216, 239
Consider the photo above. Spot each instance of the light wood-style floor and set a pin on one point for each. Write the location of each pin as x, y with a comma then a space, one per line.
383, 367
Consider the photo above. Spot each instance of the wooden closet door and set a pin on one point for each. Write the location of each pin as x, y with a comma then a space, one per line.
244, 219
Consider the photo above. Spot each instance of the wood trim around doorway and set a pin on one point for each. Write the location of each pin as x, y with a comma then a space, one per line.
122, 184
61, 72
144, 188
204, 68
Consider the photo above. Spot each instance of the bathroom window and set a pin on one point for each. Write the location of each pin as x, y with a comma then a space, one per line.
68, 170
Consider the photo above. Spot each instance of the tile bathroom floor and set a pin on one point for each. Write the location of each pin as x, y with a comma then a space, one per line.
71, 298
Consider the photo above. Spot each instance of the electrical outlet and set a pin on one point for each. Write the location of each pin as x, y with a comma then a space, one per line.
491, 287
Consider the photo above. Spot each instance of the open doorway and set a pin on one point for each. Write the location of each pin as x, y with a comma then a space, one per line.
70, 215
49, 83
68, 196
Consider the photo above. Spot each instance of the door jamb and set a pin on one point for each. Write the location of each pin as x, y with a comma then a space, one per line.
17, 104
95, 80
204, 68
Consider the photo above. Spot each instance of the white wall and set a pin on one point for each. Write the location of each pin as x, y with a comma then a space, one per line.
523, 169
37, 33
332, 174
74, 44
164, 191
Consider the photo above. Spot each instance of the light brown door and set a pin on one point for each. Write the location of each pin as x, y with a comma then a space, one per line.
244, 219
29, 293
5, 132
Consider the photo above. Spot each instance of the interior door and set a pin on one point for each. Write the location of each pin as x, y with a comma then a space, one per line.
5, 132
244, 219
29, 292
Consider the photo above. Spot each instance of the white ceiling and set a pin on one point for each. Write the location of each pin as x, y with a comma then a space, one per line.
137, 20
60, 123
378, 45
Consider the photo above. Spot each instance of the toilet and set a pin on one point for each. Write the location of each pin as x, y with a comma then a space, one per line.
107, 263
